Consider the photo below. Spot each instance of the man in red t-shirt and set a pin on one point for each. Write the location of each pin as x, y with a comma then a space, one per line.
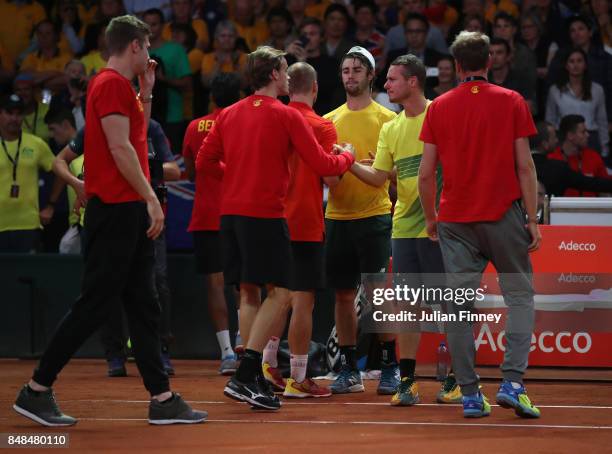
304, 211
225, 91
573, 150
479, 133
123, 217
255, 138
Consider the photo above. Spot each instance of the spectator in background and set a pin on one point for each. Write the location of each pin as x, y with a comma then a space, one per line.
280, 25
20, 218
297, 9
396, 36
494, 7
575, 93
366, 34
72, 29
469, 10
553, 15
95, 53
18, 19
33, 111
416, 27
523, 60
224, 58
210, 11
317, 8
447, 78
574, 138
331, 94
72, 97
176, 76
441, 15
109, 9
7, 70
502, 74
475, 23
600, 10
184, 35
598, 60
140, 7
387, 15
336, 25
48, 62
182, 14
252, 31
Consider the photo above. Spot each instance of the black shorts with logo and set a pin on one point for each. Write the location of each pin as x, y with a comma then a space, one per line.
256, 251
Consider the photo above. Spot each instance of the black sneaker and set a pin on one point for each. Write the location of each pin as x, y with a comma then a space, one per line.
42, 408
252, 393
174, 411
116, 367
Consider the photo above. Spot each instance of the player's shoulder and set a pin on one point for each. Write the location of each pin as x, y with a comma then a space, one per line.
384, 113
331, 116
34, 142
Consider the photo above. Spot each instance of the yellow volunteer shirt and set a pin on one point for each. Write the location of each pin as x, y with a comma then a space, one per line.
6, 61
16, 25
351, 198
254, 35
93, 62
34, 123
76, 167
399, 146
22, 213
199, 27
36, 62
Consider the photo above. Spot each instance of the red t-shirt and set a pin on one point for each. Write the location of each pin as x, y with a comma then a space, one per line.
255, 138
304, 209
110, 93
588, 162
474, 128
205, 212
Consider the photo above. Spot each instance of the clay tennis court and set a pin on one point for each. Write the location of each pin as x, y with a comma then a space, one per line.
576, 416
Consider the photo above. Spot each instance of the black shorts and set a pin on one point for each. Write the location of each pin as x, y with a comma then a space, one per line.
207, 246
256, 251
308, 271
356, 246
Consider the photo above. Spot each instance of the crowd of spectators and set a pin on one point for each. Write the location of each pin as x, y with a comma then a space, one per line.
556, 54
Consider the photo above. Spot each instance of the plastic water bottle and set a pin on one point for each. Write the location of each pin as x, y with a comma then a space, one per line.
443, 362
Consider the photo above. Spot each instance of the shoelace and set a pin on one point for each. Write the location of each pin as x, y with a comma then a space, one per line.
388, 375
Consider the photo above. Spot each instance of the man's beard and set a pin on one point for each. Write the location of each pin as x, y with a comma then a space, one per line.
357, 90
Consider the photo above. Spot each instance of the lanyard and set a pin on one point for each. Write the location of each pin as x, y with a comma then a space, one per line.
15, 161
473, 78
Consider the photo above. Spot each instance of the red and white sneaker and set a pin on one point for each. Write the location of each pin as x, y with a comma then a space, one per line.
307, 388
274, 377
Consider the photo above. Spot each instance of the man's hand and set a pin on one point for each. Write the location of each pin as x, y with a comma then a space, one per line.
432, 229
79, 188
296, 49
146, 80
536, 236
344, 147
46, 214
368, 162
156, 215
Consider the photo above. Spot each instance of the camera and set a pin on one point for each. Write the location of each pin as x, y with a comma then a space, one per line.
303, 39
78, 84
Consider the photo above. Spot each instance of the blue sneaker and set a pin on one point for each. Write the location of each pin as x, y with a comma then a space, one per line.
389, 380
348, 381
514, 395
476, 406
116, 367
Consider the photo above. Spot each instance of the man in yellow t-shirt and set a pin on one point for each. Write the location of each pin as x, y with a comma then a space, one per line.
358, 221
34, 111
21, 157
17, 20
414, 254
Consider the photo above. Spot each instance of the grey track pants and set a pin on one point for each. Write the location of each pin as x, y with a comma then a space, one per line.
467, 248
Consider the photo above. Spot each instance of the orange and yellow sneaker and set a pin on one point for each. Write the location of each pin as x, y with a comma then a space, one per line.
307, 388
274, 377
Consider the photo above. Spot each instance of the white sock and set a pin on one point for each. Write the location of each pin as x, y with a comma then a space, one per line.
224, 343
270, 352
298, 367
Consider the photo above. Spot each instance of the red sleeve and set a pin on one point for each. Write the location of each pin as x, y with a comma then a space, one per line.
114, 96
601, 170
327, 136
209, 159
427, 133
187, 151
306, 145
523, 122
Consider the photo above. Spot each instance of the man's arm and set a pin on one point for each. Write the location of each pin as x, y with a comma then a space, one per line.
525, 170
117, 131
61, 168
146, 81
428, 188
370, 175
46, 214
171, 171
